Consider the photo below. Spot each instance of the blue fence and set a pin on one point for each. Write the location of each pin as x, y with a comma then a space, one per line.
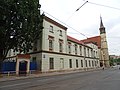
8, 66
11, 66
33, 66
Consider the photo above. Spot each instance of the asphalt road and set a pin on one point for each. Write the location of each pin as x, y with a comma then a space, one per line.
95, 80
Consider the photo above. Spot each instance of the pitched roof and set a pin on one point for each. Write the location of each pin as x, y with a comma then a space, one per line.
95, 39
74, 40
54, 22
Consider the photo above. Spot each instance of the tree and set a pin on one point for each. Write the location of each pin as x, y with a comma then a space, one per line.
20, 25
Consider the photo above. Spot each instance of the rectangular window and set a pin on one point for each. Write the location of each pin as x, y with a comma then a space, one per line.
69, 47
94, 54
60, 32
86, 63
81, 63
89, 64
51, 39
51, 29
84, 51
80, 50
61, 45
70, 63
95, 63
92, 63
50, 44
91, 53
88, 52
61, 63
75, 48
76, 63
51, 63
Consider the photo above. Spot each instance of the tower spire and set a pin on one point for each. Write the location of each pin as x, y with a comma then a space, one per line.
102, 28
101, 23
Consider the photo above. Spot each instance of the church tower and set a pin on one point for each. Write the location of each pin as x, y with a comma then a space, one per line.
104, 55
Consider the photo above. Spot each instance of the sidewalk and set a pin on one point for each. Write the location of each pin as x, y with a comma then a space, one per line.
7, 78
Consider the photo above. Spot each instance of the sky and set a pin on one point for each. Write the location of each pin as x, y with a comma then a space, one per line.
86, 21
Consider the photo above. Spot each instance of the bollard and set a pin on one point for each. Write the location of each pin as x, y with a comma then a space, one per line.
8, 74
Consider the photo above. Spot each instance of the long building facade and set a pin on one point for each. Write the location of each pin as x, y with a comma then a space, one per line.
56, 51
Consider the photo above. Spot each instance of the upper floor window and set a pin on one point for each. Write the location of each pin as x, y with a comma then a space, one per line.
51, 29
80, 50
69, 47
60, 32
94, 54
91, 53
75, 48
88, 52
51, 39
60, 45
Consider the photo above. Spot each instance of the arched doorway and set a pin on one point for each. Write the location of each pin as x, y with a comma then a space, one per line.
22, 64
23, 67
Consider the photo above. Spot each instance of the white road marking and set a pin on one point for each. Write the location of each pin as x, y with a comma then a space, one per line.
46, 79
14, 85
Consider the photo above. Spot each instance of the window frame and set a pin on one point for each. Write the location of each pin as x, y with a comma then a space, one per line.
51, 29
51, 63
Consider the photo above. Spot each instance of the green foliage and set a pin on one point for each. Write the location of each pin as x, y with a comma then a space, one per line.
112, 61
20, 25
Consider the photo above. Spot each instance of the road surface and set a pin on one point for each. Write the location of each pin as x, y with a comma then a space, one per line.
108, 79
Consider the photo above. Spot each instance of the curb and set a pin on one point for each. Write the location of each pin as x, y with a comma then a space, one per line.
12, 78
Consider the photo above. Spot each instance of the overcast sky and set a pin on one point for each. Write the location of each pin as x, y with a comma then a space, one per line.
87, 19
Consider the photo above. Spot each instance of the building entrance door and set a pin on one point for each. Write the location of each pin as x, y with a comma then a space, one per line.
22, 68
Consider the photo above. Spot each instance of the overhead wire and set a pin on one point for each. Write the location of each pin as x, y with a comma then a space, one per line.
78, 10
65, 24
104, 5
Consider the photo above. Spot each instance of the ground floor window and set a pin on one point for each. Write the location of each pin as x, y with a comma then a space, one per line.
81, 63
76, 63
86, 63
95, 63
92, 63
70, 63
89, 64
51, 63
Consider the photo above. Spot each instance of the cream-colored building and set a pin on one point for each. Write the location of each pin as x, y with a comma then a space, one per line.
56, 51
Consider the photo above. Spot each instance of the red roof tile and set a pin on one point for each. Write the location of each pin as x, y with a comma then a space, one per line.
95, 39
74, 40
